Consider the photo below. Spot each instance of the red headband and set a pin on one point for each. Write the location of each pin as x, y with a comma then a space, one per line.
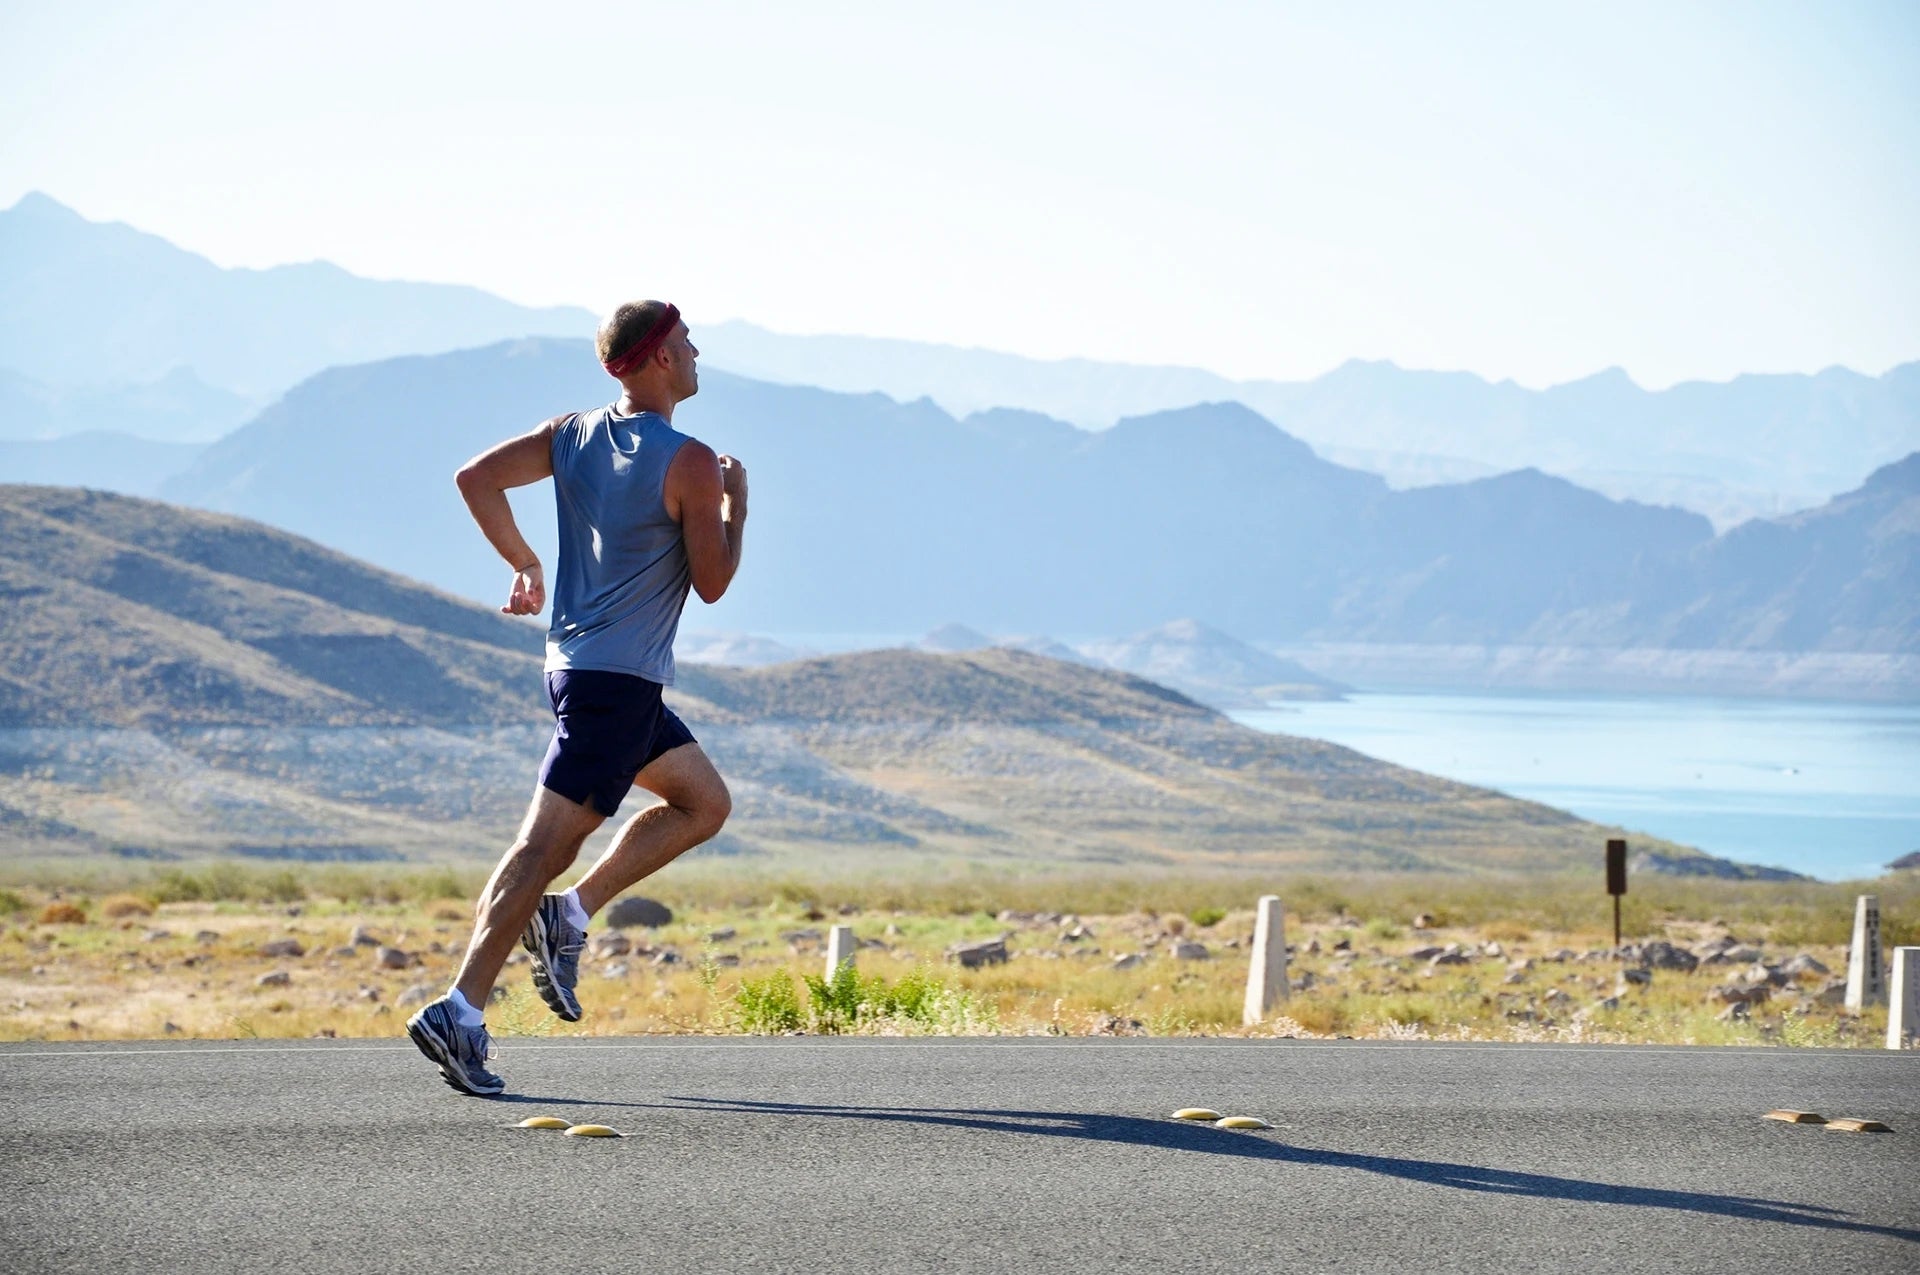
642, 350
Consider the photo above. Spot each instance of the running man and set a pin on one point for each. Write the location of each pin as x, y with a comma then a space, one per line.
645, 514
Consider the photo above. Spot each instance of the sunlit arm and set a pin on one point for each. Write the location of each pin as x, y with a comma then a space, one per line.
707, 495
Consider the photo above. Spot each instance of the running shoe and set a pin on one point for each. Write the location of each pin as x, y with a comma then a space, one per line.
554, 943
460, 1051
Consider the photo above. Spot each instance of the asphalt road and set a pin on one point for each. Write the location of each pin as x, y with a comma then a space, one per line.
956, 1155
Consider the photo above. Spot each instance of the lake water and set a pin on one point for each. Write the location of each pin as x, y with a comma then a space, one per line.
1831, 790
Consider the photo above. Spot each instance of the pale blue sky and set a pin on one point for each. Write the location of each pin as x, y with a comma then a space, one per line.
1525, 190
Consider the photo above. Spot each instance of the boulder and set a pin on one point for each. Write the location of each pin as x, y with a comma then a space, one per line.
279, 978
1425, 953
1737, 993
1425, 921
361, 938
1803, 964
638, 911
721, 935
602, 946
1662, 955
1737, 1012
283, 947
392, 958
418, 994
1189, 951
1128, 961
1638, 977
974, 955
1449, 958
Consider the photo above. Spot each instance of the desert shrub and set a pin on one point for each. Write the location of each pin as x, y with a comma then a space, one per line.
922, 999
1207, 917
834, 1003
1381, 928
119, 906
12, 902
768, 1005
63, 913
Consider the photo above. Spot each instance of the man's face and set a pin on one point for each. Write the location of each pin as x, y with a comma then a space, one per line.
681, 355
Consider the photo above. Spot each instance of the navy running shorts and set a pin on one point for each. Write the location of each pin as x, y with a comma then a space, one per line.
607, 728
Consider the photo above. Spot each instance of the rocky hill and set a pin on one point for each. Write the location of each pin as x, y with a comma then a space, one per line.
179, 683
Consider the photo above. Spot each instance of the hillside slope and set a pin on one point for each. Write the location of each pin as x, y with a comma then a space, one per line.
179, 683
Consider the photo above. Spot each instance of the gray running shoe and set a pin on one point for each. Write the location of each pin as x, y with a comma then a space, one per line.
555, 943
460, 1051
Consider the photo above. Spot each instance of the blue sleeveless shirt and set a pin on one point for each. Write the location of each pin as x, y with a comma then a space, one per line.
623, 576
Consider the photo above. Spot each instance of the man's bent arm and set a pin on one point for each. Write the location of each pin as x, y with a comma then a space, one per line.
707, 494
484, 482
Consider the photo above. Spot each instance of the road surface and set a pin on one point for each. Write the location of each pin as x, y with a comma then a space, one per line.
819, 1154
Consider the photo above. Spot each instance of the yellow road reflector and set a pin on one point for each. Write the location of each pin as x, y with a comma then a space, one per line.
591, 1131
1196, 1113
1845, 1125
1796, 1117
1241, 1122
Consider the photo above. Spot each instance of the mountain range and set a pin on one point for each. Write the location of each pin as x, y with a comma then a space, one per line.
178, 683
876, 516
1756, 445
98, 317
181, 350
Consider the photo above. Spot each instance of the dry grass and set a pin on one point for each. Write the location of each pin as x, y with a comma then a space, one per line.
193, 967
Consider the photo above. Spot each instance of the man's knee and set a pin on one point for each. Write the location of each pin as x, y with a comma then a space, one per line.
712, 805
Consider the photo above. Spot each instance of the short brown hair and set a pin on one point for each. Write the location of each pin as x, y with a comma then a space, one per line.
626, 327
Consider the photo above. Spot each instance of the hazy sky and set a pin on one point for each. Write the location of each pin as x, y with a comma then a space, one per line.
1526, 190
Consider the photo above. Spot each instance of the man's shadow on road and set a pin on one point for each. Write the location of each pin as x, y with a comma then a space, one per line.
1180, 1135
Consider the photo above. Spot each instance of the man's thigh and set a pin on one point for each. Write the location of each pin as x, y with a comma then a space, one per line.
685, 777
556, 824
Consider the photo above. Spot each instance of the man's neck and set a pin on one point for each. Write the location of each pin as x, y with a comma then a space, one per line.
632, 403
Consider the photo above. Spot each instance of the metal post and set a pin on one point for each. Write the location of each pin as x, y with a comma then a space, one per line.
1616, 881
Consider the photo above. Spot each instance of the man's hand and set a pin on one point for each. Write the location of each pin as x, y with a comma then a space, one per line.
733, 480
529, 592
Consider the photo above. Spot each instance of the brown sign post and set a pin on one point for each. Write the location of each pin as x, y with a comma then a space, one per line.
1616, 881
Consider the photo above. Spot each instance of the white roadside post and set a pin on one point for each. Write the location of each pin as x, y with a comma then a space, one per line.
1903, 1005
1267, 972
840, 949
1866, 972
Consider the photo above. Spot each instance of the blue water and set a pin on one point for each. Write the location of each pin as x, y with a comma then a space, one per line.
1831, 790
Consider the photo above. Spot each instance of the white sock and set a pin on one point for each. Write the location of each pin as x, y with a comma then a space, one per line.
575, 913
469, 1016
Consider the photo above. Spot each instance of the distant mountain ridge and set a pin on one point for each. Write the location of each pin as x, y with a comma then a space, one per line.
106, 328
877, 516
1759, 444
89, 304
